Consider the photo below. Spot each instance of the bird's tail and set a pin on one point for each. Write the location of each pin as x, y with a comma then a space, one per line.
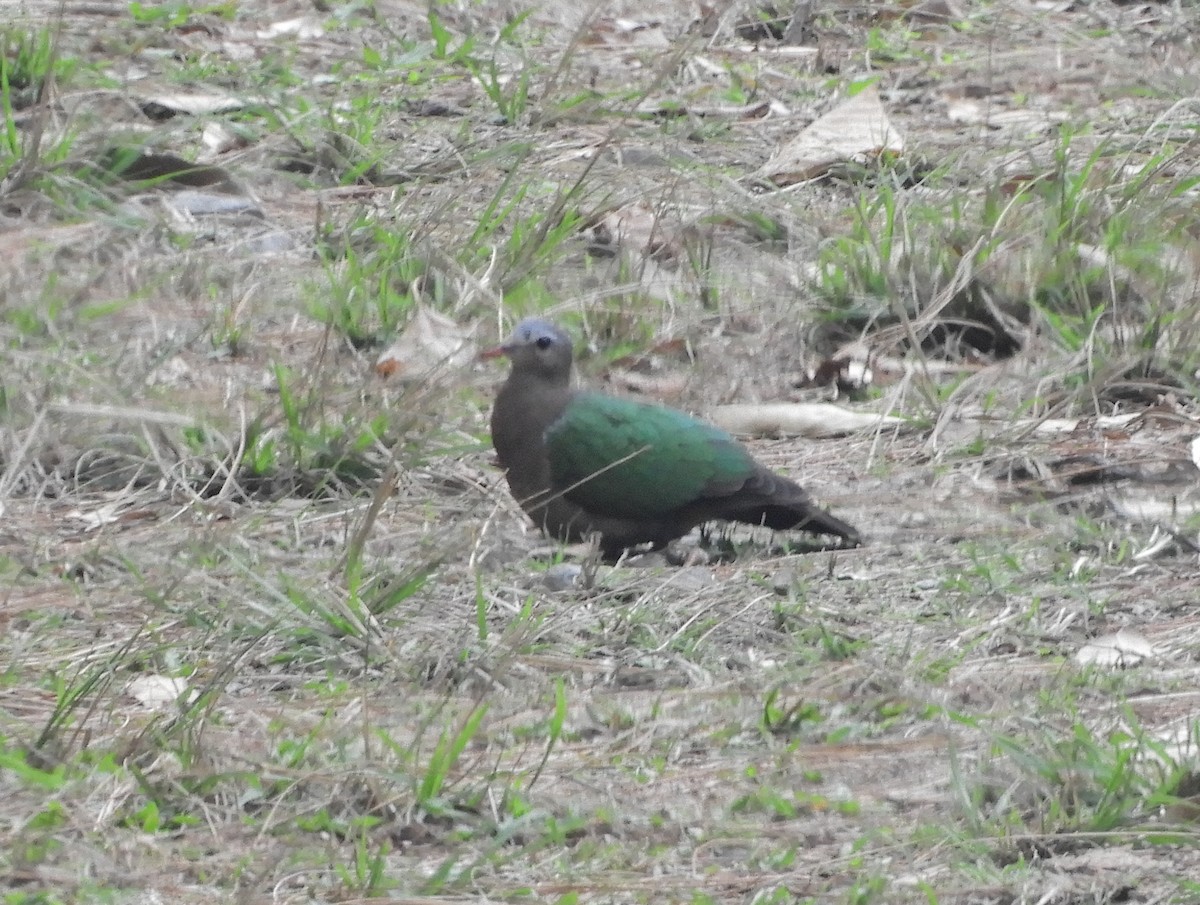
777, 502
818, 521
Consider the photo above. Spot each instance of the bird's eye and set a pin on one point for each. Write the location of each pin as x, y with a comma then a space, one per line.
543, 342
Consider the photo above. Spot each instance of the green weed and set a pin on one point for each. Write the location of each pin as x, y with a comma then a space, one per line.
179, 13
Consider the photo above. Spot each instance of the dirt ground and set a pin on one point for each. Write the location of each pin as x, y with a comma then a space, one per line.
273, 629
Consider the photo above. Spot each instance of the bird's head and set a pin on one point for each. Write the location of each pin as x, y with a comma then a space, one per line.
537, 347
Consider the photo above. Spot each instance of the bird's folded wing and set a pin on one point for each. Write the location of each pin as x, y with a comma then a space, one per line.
624, 459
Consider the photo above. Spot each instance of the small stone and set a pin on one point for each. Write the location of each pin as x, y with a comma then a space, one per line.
783, 581
562, 576
692, 578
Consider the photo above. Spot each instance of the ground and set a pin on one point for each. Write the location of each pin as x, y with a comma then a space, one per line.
273, 629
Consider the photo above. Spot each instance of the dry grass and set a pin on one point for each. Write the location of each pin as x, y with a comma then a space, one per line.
274, 631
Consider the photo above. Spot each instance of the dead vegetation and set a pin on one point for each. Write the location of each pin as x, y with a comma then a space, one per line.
272, 628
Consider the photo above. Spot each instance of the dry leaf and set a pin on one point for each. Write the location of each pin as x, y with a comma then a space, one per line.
635, 227
968, 111
1068, 425
933, 12
849, 369
304, 27
655, 372
804, 419
675, 350
98, 517
855, 130
156, 692
190, 203
430, 340
1164, 543
627, 33
1143, 507
163, 106
110, 514
1119, 650
162, 166
218, 138
665, 386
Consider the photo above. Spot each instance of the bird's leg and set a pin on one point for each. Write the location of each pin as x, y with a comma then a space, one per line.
679, 553
591, 562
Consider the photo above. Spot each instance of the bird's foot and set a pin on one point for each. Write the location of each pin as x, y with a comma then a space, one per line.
681, 554
591, 563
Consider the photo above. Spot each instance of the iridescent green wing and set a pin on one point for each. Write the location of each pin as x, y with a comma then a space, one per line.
624, 459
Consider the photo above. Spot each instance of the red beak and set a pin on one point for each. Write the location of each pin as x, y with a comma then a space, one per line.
495, 352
